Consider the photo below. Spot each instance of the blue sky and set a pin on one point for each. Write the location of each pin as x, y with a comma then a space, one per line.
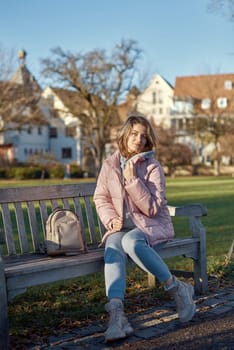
178, 37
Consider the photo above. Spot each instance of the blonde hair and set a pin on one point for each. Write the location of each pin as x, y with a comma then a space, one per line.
126, 130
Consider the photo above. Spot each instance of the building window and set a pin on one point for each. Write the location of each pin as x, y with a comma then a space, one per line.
173, 123
29, 131
39, 130
228, 85
181, 124
154, 98
222, 102
70, 131
66, 153
53, 132
160, 97
205, 104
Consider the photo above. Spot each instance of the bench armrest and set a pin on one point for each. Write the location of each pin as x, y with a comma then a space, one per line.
196, 210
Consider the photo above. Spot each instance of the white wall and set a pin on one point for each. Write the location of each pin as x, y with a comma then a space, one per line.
158, 108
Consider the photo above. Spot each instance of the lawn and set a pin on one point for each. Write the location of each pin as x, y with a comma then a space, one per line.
51, 309
217, 194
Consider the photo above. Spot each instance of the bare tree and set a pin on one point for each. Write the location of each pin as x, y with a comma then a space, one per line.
170, 153
226, 147
6, 63
101, 79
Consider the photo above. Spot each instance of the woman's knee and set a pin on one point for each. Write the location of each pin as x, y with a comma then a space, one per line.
132, 241
113, 255
114, 251
114, 241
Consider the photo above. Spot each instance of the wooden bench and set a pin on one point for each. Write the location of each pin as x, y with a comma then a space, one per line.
24, 263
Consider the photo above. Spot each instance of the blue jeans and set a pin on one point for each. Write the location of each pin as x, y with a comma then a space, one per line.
134, 244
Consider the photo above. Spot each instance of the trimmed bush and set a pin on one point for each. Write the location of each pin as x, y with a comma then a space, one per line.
56, 172
76, 171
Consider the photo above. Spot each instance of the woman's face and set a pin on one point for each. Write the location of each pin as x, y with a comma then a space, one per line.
137, 139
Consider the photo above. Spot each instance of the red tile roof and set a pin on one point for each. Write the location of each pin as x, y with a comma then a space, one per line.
204, 86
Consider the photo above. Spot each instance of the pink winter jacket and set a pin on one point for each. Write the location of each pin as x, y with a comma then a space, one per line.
145, 195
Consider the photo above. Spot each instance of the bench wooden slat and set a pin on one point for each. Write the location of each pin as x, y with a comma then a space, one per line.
90, 218
34, 272
53, 191
102, 228
21, 227
8, 229
66, 204
54, 204
33, 226
44, 214
78, 211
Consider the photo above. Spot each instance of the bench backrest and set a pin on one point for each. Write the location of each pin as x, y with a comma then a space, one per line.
24, 211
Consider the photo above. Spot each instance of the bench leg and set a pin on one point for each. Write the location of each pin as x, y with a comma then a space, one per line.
151, 280
200, 277
200, 264
4, 331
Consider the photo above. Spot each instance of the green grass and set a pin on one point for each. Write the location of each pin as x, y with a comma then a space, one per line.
217, 194
39, 182
51, 309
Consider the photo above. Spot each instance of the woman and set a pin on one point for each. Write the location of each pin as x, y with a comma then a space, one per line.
131, 203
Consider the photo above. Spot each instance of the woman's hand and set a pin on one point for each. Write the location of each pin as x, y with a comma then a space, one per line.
115, 225
129, 171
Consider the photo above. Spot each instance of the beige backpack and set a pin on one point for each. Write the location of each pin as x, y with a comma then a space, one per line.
64, 234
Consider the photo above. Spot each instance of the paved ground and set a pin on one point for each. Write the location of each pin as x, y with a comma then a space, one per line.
212, 328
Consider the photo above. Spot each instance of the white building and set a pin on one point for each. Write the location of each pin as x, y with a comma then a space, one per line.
65, 140
156, 101
26, 129
52, 130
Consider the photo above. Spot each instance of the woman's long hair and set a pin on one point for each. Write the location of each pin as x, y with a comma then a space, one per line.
126, 130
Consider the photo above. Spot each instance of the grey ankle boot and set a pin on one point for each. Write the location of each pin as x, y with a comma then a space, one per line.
183, 295
118, 327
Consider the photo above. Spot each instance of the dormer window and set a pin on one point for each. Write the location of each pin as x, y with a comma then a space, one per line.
228, 85
205, 103
222, 102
